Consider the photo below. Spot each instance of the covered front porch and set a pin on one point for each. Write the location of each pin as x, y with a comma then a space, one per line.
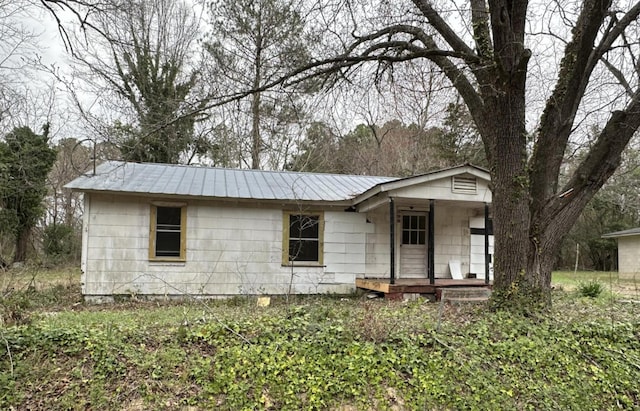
430, 233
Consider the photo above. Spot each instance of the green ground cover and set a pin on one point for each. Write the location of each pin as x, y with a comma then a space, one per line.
315, 353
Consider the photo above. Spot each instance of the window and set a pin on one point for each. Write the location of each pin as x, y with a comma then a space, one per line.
167, 239
414, 229
302, 238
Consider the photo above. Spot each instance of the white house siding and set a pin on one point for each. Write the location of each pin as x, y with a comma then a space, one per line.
377, 243
452, 240
230, 250
629, 257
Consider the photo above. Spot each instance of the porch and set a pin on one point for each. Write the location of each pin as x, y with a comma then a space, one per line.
423, 286
428, 233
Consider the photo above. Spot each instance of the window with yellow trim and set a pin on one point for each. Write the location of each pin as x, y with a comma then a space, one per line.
303, 238
167, 236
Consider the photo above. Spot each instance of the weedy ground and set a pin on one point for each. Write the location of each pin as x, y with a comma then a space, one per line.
325, 352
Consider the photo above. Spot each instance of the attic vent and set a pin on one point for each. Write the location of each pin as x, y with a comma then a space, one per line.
464, 185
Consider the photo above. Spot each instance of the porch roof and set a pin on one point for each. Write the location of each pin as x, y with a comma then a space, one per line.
389, 187
623, 233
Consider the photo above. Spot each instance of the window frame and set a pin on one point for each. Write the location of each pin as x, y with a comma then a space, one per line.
286, 232
417, 230
153, 221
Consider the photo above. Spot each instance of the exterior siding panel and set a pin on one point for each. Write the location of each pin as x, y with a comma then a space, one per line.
229, 251
629, 257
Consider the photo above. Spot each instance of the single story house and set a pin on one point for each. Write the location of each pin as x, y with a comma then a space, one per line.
628, 252
170, 230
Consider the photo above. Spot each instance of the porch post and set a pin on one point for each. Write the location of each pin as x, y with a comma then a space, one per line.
392, 241
431, 246
486, 243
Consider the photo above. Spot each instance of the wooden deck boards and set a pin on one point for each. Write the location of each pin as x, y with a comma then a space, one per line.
415, 285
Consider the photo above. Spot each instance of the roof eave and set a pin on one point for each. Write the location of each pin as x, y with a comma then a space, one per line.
293, 202
618, 235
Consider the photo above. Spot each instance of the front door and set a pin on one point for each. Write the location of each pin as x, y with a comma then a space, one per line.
413, 246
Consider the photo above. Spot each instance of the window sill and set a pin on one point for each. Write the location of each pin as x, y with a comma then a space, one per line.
167, 261
305, 264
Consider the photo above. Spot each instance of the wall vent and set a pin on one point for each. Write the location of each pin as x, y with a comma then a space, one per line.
464, 185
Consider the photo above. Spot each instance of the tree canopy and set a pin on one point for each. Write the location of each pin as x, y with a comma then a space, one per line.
25, 161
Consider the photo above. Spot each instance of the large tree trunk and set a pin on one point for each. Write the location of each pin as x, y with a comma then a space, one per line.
22, 242
510, 198
504, 133
256, 139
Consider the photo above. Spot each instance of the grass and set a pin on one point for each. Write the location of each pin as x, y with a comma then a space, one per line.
571, 281
315, 353
39, 278
574, 278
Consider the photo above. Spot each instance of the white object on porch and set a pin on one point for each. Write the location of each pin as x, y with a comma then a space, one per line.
455, 269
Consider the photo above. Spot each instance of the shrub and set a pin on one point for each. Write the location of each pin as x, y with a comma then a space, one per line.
592, 289
59, 241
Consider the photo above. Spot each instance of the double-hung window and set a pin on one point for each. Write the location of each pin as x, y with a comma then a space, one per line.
302, 238
167, 234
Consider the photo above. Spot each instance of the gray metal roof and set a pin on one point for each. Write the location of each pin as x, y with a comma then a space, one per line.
146, 178
623, 233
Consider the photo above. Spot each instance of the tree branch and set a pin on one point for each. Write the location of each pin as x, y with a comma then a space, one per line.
619, 76
74, 7
481, 31
559, 114
441, 26
601, 162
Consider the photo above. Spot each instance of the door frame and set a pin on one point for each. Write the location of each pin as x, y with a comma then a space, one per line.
400, 228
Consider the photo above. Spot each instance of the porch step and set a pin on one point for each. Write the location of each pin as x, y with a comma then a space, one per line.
464, 294
454, 300
461, 295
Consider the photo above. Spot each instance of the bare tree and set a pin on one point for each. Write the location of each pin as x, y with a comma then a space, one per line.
143, 54
482, 48
251, 43
19, 42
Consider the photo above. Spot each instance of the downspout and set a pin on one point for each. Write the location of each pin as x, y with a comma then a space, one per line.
431, 247
392, 241
487, 257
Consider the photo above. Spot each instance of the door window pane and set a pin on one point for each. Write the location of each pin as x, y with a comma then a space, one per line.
414, 229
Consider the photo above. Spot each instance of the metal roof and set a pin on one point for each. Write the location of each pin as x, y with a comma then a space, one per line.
623, 233
169, 179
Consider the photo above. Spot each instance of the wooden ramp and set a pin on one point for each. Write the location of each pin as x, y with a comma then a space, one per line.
417, 286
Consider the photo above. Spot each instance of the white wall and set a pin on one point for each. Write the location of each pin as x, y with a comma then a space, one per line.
377, 244
629, 257
452, 238
230, 250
